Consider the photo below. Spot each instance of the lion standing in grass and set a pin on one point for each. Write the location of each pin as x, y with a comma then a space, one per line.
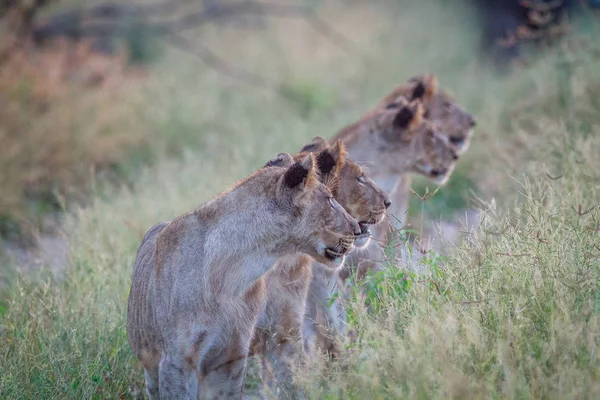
198, 285
439, 132
445, 132
279, 329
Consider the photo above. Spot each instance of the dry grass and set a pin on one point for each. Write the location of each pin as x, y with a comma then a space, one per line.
514, 312
66, 113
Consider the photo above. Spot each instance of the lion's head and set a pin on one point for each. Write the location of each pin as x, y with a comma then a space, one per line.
351, 187
410, 142
319, 224
451, 119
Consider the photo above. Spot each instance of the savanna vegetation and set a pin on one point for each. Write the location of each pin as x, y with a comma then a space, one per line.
512, 310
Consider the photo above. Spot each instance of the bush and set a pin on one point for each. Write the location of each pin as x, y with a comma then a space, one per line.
66, 113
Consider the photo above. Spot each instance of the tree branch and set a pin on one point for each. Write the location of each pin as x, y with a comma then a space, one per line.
116, 21
214, 61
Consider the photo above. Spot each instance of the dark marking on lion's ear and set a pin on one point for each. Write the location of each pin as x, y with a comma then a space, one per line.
403, 118
295, 175
304, 171
281, 160
325, 162
418, 91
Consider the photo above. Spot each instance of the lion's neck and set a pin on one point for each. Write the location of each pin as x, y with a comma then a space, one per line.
244, 238
383, 164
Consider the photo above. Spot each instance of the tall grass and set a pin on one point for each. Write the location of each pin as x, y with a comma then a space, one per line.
512, 313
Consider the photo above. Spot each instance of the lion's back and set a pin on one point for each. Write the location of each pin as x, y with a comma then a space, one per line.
145, 266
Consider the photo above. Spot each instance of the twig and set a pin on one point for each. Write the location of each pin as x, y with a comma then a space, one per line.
553, 177
189, 21
218, 64
426, 196
514, 255
579, 211
541, 240
170, 30
466, 303
436, 286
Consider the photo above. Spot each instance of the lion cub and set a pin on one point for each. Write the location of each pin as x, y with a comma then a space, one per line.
445, 132
393, 141
453, 124
198, 283
278, 331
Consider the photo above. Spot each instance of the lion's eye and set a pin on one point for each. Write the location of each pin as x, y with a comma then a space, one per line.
331, 202
360, 179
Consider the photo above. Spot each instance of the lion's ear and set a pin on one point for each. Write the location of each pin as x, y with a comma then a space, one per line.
408, 117
283, 160
317, 144
425, 87
340, 154
303, 172
331, 159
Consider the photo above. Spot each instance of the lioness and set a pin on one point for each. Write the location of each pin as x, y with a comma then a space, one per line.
451, 119
392, 159
439, 134
278, 331
198, 285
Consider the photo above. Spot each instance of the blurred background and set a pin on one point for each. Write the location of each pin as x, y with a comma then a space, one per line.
93, 93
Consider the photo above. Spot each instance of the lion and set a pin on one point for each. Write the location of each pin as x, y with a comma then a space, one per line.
279, 329
430, 144
198, 283
453, 121
453, 126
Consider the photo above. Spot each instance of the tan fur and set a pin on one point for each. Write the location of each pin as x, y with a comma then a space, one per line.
279, 330
439, 106
454, 121
198, 284
391, 161
433, 141
406, 90
390, 151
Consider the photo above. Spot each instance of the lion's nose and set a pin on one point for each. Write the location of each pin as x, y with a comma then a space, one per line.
387, 203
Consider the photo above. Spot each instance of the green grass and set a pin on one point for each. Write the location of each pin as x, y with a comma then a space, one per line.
512, 313
454, 195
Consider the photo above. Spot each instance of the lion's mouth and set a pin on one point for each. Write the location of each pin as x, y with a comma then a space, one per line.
364, 228
434, 173
374, 219
437, 175
363, 239
339, 251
